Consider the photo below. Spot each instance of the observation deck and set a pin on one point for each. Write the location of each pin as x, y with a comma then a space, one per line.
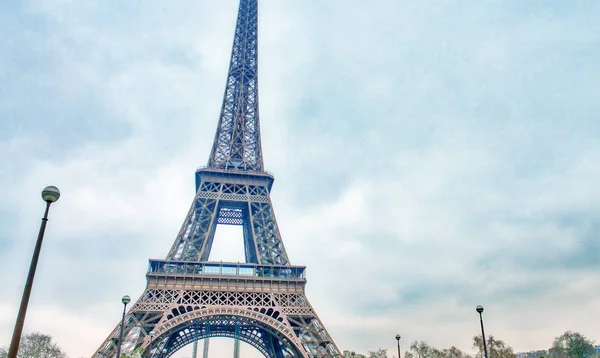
225, 276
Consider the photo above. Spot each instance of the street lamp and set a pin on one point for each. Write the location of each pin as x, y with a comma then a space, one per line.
398, 339
50, 194
152, 334
479, 310
126, 299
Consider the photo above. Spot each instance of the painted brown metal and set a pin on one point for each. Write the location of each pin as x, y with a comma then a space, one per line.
261, 302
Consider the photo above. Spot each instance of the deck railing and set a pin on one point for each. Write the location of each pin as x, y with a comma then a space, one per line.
229, 269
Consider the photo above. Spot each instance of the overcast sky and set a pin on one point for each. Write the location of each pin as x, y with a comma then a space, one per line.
429, 156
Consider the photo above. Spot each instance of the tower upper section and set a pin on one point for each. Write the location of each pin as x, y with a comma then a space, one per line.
237, 140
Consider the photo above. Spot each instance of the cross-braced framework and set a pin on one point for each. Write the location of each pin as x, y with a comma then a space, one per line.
276, 324
231, 199
261, 302
237, 141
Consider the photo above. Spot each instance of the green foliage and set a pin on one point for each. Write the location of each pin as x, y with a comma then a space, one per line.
538, 354
136, 354
496, 348
37, 345
572, 345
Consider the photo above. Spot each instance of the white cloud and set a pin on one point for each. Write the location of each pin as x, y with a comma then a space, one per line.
428, 159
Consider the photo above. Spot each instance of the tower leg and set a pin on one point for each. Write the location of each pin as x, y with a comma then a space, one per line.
205, 351
195, 350
236, 342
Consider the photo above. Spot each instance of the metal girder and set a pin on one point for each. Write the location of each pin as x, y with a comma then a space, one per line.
237, 140
205, 350
261, 302
233, 204
236, 344
279, 325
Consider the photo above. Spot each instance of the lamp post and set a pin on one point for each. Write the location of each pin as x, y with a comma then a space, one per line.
479, 310
398, 339
50, 194
152, 334
126, 299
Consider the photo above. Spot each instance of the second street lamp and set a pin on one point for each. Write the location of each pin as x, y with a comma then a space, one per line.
479, 310
152, 334
126, 299
50, 194
398, 339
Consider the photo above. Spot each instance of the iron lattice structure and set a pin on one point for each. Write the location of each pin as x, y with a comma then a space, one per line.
261, 302
237, 141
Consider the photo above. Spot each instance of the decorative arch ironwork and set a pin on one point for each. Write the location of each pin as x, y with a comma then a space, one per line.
265, 295
268, 335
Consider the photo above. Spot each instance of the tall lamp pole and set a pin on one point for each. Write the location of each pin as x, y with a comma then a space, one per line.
398, 339
479, 310
50, 194
126, 299
152, 334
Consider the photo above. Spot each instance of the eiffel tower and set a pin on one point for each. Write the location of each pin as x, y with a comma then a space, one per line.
261, 302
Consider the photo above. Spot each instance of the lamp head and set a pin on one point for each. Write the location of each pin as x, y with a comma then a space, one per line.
50, 194
479, 308
126, 299
398, 337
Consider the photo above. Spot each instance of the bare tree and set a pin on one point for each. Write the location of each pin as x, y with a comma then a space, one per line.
347, 354
380, 353
422, 349
496, 348
37, 345
453, 352
572, 344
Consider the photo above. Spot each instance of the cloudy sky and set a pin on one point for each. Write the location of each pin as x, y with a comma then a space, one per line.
429, 156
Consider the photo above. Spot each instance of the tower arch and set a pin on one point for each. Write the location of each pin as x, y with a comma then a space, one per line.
269, 336
261, 301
